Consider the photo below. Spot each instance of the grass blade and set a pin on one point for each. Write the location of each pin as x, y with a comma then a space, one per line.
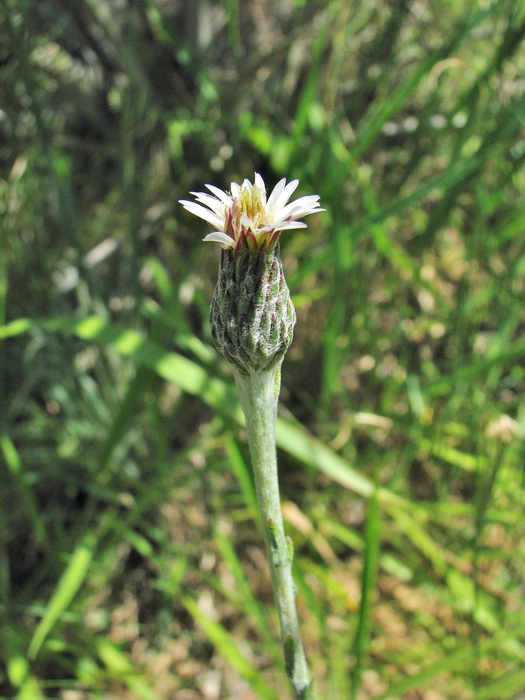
120, 667
504, 688
242, 472
370, 566
14, 464
67, 587
251, 604
380, 113
227, 647
464, 655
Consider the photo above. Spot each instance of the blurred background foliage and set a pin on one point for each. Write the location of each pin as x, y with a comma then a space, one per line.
131, 565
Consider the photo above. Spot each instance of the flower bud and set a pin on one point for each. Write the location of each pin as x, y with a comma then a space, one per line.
252, 316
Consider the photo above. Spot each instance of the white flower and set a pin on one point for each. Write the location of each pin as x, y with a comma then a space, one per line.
246, 216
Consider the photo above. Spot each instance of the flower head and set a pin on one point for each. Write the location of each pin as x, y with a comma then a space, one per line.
246, 217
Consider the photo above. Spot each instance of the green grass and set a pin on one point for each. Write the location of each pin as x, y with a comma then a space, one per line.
131, 563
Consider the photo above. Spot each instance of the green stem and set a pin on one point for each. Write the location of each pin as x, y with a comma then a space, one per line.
259, 393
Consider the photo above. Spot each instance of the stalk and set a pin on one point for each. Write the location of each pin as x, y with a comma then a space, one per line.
259, 394
252, 318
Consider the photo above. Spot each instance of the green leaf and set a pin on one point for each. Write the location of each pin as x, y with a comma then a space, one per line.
30, 690
14, 464
17, 327
452, 455
368, 584
67, 587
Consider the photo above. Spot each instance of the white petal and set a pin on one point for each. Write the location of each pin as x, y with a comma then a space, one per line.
202, 213
235, 189
211, 202
247, 222
300, 207
220, 194
220, 237
279, 187
308, 199
262, 187
285, 225
286, 194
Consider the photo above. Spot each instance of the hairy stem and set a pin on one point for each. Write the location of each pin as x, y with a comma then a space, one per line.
259, 393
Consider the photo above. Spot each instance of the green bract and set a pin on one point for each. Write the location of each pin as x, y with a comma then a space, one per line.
252, 316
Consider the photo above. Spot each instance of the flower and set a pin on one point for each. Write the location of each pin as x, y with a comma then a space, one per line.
246, 217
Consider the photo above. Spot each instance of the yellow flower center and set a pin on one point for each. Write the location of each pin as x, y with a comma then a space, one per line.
251, 204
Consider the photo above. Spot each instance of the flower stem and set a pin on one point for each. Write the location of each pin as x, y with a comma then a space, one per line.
259, 393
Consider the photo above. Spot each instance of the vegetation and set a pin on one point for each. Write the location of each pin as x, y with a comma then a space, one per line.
131, 564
